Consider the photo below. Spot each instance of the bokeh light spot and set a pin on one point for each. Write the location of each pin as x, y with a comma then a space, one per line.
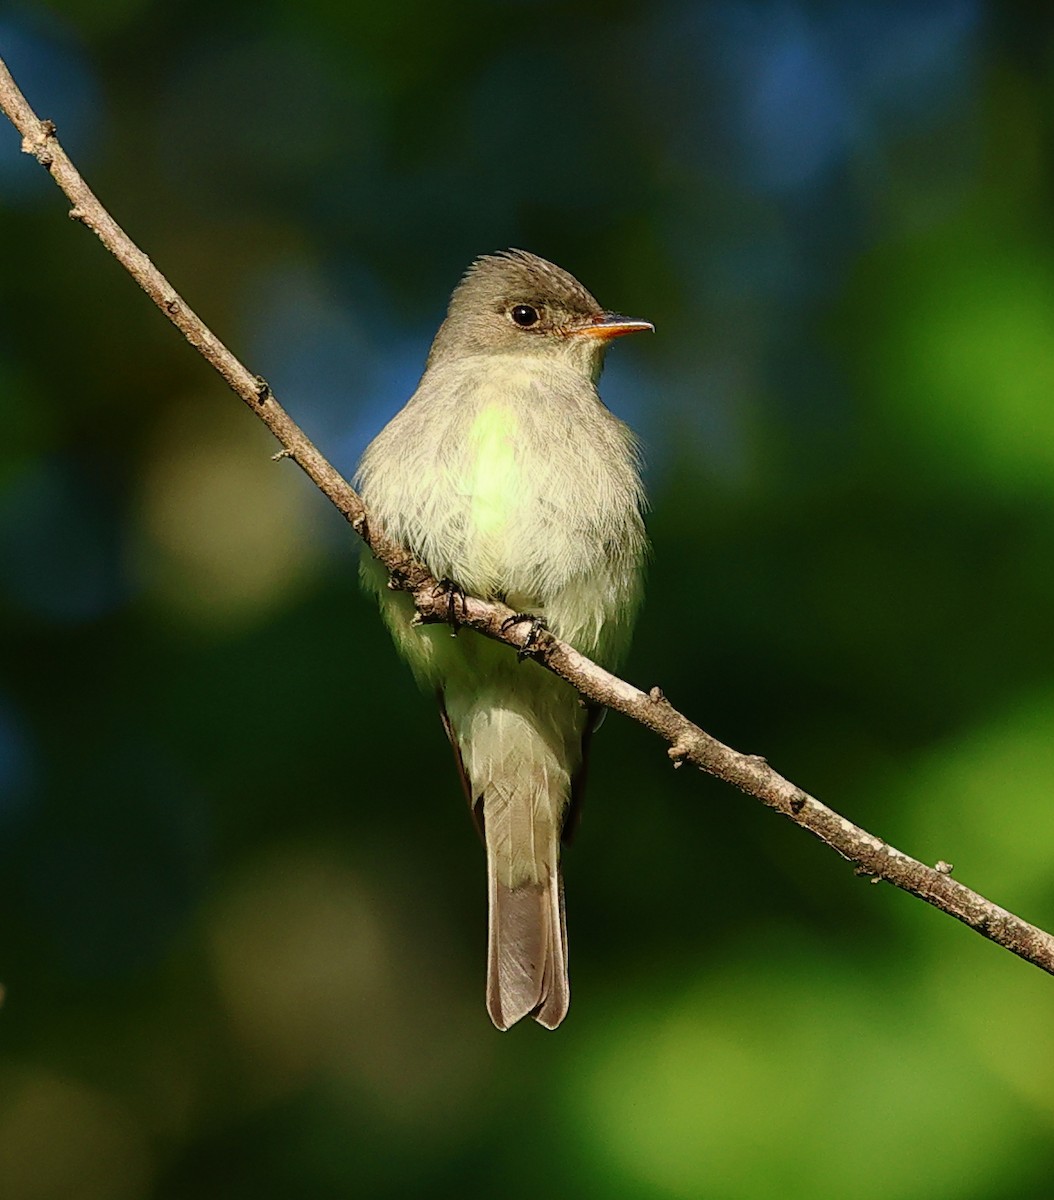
225, 535
60, 1139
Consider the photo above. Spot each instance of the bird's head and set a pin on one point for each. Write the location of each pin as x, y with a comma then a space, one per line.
517, 303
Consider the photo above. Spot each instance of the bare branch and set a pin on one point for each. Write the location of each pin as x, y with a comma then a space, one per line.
687, 742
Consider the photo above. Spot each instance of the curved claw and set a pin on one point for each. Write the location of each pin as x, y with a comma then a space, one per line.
537, 626
456, 593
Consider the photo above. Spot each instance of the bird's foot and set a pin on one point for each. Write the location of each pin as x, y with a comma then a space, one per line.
455, 595
537, 625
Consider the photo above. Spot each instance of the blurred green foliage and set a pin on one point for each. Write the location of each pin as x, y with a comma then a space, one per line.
241, 906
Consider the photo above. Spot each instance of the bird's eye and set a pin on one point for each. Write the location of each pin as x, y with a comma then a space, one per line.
524, 316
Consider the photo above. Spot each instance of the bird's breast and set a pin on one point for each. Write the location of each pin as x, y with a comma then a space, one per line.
492, 471
510, 478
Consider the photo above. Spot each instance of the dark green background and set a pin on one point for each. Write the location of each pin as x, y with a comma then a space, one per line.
241, 904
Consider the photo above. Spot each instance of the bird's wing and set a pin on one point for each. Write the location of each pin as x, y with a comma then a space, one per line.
475, 808
578, 780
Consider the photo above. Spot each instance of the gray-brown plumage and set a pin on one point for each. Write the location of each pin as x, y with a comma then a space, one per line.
506, 475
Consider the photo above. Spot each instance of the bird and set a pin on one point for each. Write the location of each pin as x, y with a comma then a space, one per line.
507, 476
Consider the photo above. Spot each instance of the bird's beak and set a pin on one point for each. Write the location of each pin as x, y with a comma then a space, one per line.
608, 325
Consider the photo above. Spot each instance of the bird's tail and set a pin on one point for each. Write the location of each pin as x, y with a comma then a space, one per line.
527, 949
521, 782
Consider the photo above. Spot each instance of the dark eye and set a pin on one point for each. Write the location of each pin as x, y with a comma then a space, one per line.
524, 315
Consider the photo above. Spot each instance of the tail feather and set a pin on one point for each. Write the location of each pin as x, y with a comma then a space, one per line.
517, 763
527, 960
555, 985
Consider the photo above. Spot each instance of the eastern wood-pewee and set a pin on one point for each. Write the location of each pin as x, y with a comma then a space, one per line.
507, 477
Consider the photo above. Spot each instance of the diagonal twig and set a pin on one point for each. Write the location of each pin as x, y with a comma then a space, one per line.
687, 742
